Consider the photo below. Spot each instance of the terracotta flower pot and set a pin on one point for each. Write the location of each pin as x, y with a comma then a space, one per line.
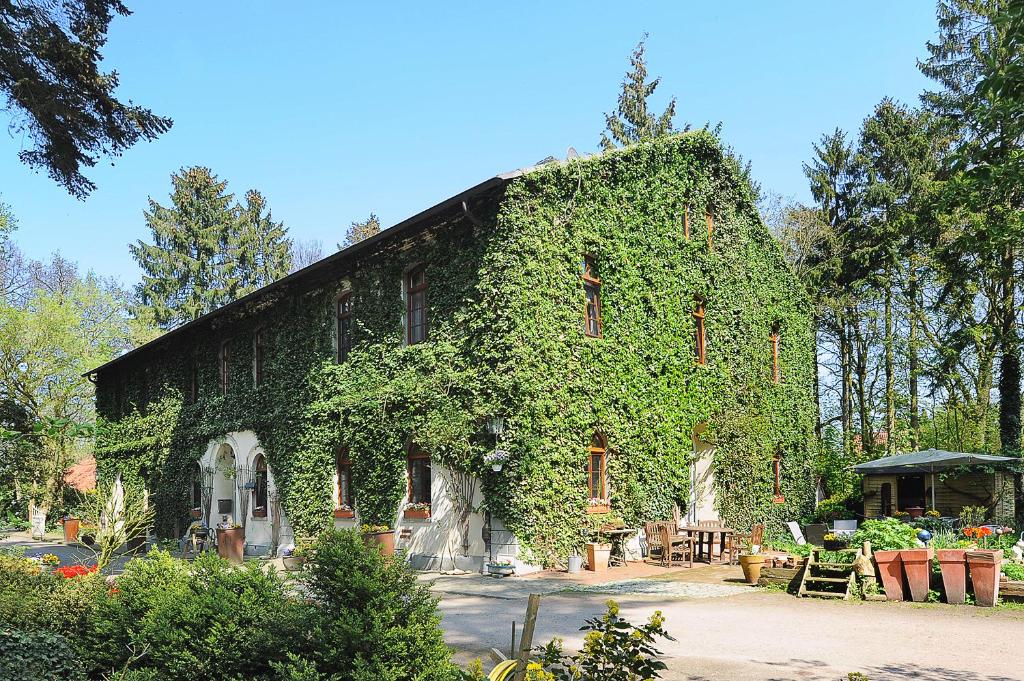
953, 563
985, 568
385, 541
231, 544
890, 569
71, 526
597, 556
751, 564
915, 511
917, 566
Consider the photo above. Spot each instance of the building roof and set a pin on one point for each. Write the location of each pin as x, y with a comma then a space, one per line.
82, 476
930, 461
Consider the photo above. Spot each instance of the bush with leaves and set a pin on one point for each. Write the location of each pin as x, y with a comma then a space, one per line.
374, 621
613, 650
889, 534
37, 656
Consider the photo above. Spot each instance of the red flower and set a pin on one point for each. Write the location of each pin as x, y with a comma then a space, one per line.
69, 571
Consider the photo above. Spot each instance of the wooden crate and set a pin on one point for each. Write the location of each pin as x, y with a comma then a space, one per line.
787, 577
1015, 589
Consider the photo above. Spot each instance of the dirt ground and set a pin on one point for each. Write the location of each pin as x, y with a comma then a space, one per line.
762, 635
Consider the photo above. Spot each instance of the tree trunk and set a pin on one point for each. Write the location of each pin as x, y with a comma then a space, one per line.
817, 384
912, 295
1009, 366
890, 373
846, 395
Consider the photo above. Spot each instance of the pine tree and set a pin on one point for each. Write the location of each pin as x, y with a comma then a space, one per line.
186, 270
261, 247
49, 73
631, 121
357, 231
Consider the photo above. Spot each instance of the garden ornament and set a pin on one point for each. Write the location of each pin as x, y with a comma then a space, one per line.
924, 536
1018, 549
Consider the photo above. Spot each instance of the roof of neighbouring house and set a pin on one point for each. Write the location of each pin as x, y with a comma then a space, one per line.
930, 461
82, 476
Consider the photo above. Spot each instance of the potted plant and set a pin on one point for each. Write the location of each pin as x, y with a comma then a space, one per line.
751, 561
344, 511
889, 538
196, 513
49, 562
953, 565
231, 542
985, 568
496, 459
598, 554
417, 511
501, 569
380, 535
834, 542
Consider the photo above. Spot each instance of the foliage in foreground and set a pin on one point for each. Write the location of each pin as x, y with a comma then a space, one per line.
889, 534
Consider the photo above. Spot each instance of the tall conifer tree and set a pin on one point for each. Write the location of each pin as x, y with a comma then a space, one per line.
262, 249
631, 121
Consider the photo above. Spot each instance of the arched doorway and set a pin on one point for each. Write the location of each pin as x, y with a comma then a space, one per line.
224, 492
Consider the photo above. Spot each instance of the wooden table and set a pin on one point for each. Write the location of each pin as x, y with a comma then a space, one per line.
713, 532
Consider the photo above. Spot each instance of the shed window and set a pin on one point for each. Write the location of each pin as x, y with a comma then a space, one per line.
597, 474
344, 321
416, 299
419, 476
257, 357
346, 500
700, 334
259, 492
225, 363
592, 291
777, 475
774, 338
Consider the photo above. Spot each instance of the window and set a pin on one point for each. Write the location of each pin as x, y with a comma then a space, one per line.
776, 367
225, 361
686, 223
257, 357
346, 500
259, 490
597, 475
777, 475
344, 321
416, 300
885, 505
419, 476
711, 224
197, 486
592, 291
700, 340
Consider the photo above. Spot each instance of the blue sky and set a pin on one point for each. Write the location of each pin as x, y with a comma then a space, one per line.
336, 109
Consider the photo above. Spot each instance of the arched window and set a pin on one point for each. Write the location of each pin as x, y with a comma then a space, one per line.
259, 491
419, 476
597, 474
711, 225
344, 321
416, 301
700, 340
592, 292
775, 338
777, 475
346, 503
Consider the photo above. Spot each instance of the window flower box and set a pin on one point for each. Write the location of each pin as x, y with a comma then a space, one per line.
344, 512
259, 512
417, 511
599, 506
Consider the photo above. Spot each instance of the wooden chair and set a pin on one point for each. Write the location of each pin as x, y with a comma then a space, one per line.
652, 537
676, 550
737, 540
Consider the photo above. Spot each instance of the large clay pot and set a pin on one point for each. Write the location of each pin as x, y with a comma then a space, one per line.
953, 563
385, 541
917, 566
985, 568
890, 569
71, 526
751, 564
231, 544
597, 556
915, 511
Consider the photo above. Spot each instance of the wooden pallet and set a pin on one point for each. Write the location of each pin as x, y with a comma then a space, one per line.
827, 580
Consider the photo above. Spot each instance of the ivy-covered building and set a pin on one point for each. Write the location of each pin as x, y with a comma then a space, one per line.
622, 327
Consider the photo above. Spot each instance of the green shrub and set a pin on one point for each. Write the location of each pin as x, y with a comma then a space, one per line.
889, 534
1014, 571
374, 621
37, 656
833, 508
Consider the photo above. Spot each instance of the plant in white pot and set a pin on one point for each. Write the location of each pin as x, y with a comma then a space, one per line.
496, 459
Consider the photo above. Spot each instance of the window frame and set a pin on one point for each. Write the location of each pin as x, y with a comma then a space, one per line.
686, 222
601, 502
700, 331
261, 486
224, 362
193, 381
258, 356
776, 337
417, 291
196, 491
343, 325
414, 456
344, 505
710, 219
593, 326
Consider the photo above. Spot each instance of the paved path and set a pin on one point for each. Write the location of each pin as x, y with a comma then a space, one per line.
761, 635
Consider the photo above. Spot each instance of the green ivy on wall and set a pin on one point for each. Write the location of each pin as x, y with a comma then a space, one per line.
506, 338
